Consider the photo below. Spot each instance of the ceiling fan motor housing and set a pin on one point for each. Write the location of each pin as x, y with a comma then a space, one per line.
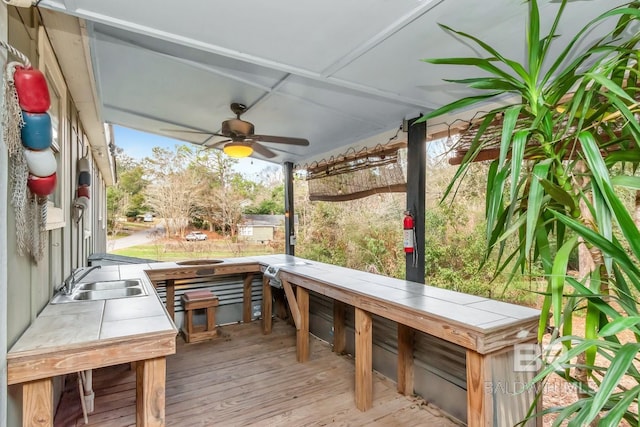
237, 127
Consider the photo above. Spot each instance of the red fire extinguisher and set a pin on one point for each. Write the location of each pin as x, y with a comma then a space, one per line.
408, 233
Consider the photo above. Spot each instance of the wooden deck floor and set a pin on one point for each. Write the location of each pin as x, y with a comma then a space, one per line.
246, 378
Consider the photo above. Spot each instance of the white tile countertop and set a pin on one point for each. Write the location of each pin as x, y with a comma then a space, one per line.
71, 324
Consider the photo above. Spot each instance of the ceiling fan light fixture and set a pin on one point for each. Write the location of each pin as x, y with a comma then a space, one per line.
237, 150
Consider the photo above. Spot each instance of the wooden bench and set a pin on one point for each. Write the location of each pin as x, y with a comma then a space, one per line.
199, 300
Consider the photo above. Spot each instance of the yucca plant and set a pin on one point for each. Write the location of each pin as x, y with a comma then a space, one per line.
565, 150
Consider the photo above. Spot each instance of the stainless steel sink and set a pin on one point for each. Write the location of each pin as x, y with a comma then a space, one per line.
108, 294
108, 285
102, 290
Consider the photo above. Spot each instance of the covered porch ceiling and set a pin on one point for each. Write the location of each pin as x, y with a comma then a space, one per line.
340, 73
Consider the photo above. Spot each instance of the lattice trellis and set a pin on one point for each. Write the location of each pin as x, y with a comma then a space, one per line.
357, 174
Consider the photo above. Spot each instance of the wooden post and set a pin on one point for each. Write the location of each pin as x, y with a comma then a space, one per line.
405, 359
171, 297
246, 298
339, 330
267, 306
293, 304
150, 392
479, 397
37, 403
364, 360
302, 334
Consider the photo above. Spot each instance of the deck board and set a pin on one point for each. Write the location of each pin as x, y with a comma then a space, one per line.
246, 378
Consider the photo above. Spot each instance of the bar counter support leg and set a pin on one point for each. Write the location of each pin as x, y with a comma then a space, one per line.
479, 398
364, 359
267, 306
339, 330
302, 333
37, 403
246, 298
150, 392
405, 359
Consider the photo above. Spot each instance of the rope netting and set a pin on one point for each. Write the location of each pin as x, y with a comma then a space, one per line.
354, 175
30, 210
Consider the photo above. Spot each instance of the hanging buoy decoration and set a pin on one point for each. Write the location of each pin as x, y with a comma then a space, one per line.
28, 136
42, 186
36, 133
83, 193
32, 89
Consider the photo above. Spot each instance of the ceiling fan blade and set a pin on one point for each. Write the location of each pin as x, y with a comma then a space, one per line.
215, 143
197, 132
281, 140
264, 151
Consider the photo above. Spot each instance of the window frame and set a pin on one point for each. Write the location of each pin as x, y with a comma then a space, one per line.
57, 209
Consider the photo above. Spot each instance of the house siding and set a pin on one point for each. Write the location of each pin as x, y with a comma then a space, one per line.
30, 285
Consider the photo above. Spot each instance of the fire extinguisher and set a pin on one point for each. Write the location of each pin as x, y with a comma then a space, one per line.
410, 247
408, 233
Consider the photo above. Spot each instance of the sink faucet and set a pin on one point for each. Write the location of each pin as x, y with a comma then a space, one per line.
70, 282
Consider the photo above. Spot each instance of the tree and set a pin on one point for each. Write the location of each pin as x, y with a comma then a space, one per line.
171, 191
221, 191
560, 149
126, 197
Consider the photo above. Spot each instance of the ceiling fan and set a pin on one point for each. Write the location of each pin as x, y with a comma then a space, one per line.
242, 142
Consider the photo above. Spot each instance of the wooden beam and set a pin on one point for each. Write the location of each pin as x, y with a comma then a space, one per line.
395, 188
479, 397
293, 304
150, 392
55, 361
364, 360
246, 297
339, 329
267, 306
405, 359
37, 403
302, 334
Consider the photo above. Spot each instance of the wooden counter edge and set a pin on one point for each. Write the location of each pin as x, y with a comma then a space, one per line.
54, 361
467, 336
191, 271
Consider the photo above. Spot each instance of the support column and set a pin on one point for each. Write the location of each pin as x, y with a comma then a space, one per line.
246, 298
416, 165
302, 334
37, 403
150, 392
171, 298
339, 329
405, 359
289, 214
364, 360
267, 306
479, 397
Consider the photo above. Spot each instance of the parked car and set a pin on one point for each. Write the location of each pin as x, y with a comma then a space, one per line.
196, 235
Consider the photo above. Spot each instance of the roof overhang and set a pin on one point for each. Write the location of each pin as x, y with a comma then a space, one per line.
337, 73
71, 45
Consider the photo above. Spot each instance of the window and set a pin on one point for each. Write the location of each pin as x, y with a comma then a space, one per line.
59, 200
246, 231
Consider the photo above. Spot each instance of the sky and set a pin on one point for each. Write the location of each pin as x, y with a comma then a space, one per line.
138, 145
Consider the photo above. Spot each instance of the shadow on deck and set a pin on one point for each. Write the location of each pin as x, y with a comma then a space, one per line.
246, 378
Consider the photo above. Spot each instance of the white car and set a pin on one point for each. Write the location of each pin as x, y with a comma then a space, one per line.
196, 235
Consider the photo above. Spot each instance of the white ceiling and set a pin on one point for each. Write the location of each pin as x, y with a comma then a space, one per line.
334, 71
